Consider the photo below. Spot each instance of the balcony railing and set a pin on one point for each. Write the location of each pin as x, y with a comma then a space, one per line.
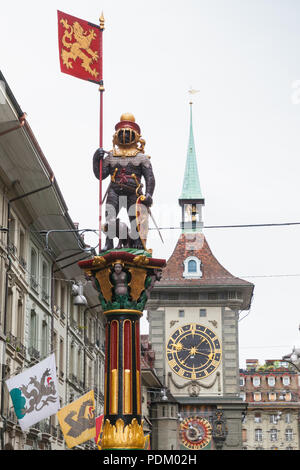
54, 431
45, 296
88, 342
34, 284
12, 249
33, 353
45, 427
22, 262
15, 343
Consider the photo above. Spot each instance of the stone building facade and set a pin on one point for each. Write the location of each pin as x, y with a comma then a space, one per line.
272, 394
39, 249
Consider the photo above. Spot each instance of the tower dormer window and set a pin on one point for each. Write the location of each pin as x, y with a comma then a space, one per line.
192, 267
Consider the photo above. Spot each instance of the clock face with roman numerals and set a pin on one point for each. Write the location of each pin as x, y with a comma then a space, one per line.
194, 351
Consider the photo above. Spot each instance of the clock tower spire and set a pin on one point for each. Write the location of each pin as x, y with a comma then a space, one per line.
191, 199
193, 327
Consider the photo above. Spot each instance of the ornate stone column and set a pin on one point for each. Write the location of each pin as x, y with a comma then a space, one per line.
124, 279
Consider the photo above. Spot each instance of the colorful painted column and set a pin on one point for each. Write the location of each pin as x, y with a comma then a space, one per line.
124, 279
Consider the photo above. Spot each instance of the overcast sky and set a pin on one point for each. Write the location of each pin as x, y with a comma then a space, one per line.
243, 56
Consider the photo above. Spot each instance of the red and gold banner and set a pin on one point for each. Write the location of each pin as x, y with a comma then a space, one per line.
80, 49
99, 428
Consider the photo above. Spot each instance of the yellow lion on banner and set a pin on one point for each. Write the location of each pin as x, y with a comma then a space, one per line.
83, 41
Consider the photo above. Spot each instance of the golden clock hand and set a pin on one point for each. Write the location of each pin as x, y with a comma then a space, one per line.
183, 361
202, 339
178, 347
210, 355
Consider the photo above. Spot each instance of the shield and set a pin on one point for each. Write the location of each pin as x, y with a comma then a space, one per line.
142, 220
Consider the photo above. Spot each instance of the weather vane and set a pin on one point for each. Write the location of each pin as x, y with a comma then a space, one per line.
192, 91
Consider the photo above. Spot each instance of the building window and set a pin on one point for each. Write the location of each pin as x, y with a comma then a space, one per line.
258, 435
45, 282
33, 329
22, 259
192, 267
257, 418
54, 344
33, 269
257, 396
242, 381
20, 326
9, 310
79, 365
288, 396
272, 396
44, 347
288, 418
273, 435
202, 312
286, 380
288, 434
243, 396
274, 418
181, 313
271, 381
256, 381
61, 356
62, 298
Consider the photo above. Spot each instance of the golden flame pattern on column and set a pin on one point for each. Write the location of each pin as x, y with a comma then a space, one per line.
119, 436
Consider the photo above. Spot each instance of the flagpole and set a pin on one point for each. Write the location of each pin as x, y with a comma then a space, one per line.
101, 90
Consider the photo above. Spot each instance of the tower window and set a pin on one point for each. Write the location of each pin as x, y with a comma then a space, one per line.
202, 312
181, 313
192, 267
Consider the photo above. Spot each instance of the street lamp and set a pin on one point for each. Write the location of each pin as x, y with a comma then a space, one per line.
77, 292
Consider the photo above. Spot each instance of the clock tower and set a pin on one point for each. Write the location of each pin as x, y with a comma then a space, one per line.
193, 318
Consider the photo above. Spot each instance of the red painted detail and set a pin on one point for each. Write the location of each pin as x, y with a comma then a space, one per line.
138, 346
114, 345
127, 345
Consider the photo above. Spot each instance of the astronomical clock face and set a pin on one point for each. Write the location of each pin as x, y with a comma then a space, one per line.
193, 351
195, 433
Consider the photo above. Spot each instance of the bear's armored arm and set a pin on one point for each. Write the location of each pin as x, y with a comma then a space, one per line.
148, 175
98, 155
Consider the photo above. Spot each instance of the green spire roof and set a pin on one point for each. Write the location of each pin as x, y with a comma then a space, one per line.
191, 184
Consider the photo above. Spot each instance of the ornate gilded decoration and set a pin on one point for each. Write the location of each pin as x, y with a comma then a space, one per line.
102, 21
80, 49
137, 283
99, 262
119, 436
127, 408
141, 260
103, 277
114, 392
122, 311
130, 145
